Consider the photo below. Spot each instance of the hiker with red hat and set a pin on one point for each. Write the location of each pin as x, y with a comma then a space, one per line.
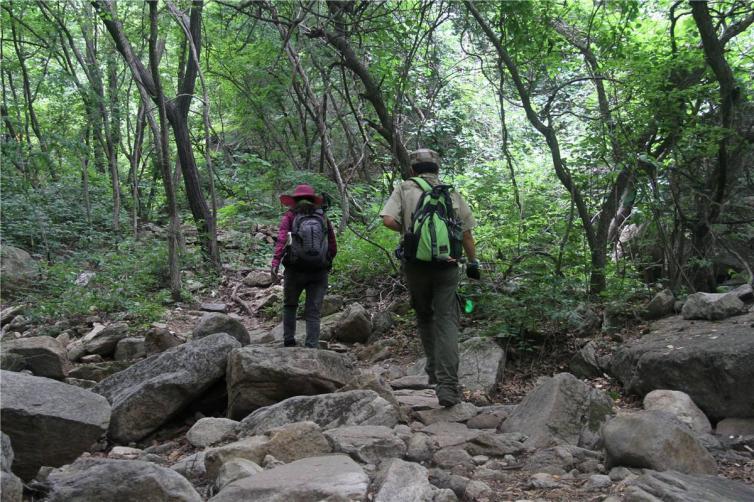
306, 246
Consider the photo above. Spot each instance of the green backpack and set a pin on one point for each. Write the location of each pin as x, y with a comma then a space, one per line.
435, 235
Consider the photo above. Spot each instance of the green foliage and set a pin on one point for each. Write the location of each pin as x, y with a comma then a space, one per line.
130, 280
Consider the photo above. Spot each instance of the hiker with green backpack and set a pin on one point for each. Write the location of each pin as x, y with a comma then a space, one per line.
435, 223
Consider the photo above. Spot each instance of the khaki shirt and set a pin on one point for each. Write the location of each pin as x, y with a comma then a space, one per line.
405, 197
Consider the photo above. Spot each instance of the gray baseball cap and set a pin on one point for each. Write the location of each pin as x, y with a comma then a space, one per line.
424, 155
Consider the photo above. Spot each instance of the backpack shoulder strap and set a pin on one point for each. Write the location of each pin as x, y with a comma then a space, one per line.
423, 184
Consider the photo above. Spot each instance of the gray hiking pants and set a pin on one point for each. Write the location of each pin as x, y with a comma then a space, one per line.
433, 297
315, 285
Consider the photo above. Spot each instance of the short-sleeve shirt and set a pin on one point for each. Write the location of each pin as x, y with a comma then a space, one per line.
405, 197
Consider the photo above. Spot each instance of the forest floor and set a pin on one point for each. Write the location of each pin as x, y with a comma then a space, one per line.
521, 375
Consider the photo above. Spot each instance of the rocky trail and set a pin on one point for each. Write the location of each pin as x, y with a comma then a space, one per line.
208, 405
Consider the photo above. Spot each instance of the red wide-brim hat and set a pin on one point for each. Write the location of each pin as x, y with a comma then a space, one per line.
301, 192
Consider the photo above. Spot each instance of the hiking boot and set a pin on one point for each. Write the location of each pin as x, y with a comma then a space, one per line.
289, 343
448, 397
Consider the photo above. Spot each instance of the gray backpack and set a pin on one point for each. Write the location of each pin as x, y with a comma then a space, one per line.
309, 244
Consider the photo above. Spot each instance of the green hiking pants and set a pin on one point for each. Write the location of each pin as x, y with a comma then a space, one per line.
433, 297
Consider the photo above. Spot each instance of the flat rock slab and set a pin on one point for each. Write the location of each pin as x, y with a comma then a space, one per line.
114, 480
706, 360
671, 486
482, 362
214, 307
355, 407
417, 399
150, 392
48, 422
261, 376
411, 382
331, 477
405, 481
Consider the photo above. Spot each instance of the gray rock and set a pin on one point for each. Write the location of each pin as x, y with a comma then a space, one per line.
48, 422
557, 460
671, 486
42, 355
661, 305
6, 453
104, 342
735, 427
490, 417
420, 448
744, 292
411, 382
598, 482
210, 430
356, 407
562, 410
84, 384
496, 445
214, 307
18, 270
681, 406
404, 481
446, 434
478, 490
214, 322
482, 362
620, 473
235, 469
543, 481
260, 376
331, 305
296, 441
455, 459
584, 364
11, 487
258, 279
713, 306
150, 392
373, 382
332, 477
158, 340
97, 371
458, 413
191, 467
253, 448
706, 360
353, 325
130, 348
417, 399
107, 479
8, 313
369, 444
655, 440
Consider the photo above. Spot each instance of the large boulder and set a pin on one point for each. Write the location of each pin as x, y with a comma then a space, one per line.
680, 405
713, 306
150, 392
671, 486
261, 376
353, 325
48, 422
562, 410
107, 479
42, 355
369, 444
331, 477
356, 407
655, 440
18, 270
215, 322
482, 362
706, 360
585, 362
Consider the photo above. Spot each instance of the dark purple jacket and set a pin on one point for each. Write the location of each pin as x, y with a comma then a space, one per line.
285, 226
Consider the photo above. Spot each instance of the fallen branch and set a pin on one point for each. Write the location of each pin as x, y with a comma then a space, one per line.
245, 306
